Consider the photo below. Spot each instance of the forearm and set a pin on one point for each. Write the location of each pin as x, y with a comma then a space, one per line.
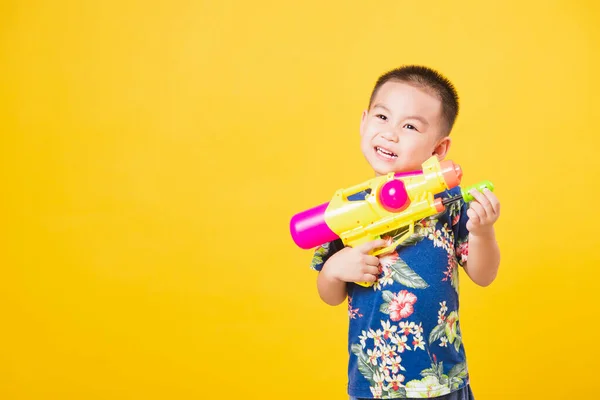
484, 258
331, 290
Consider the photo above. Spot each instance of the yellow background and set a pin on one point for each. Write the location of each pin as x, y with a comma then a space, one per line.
152, 154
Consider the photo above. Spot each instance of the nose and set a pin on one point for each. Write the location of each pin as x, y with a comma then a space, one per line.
390, 135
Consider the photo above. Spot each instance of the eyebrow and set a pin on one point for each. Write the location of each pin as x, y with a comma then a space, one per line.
418, 118
382, 106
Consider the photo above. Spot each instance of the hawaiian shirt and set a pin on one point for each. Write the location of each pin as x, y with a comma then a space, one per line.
404, 336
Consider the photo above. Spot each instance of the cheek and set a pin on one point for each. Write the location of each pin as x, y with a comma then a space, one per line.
417, 151
421, 147
367, 134
364, 141
368, 130
412, 146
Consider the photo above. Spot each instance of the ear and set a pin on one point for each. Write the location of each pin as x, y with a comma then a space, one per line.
442, 147
363, 121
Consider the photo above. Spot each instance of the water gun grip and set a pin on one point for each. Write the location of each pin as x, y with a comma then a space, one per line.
390, 248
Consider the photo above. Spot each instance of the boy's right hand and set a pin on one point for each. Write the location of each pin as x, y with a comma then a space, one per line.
355, 264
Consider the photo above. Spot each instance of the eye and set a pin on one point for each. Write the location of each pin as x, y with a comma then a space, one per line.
381, 117
409, 126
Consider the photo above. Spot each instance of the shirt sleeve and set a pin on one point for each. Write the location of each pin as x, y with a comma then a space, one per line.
323, 253
461, 233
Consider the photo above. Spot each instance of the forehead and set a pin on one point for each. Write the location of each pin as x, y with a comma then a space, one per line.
403, 97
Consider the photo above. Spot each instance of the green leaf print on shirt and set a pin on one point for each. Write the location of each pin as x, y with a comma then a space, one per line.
395, 269
405, 275
447, 329
363, 362
435, 382
430, 386
436, 333
458, 371
320, 252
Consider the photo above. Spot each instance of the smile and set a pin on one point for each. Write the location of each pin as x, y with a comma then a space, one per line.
385, 153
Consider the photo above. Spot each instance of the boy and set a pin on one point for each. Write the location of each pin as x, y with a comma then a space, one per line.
404, 336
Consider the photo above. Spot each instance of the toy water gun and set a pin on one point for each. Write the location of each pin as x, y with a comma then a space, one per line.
394, 201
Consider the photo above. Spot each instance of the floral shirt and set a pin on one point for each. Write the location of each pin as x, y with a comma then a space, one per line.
404, 338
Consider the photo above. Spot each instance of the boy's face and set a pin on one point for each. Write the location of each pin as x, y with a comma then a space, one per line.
402, 129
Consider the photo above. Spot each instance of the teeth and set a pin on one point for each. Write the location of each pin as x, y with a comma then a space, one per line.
386, 153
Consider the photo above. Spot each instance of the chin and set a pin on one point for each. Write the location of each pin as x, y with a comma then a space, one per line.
383, 169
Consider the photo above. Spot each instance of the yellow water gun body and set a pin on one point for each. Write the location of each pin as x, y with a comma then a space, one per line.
394, 201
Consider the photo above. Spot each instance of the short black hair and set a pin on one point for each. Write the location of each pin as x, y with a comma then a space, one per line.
430, 80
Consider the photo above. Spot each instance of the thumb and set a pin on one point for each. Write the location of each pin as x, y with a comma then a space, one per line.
370, 246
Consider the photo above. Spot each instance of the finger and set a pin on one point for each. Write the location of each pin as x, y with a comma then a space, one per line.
371, 260
483, 199
371, 270
493, 200
370, 246
486, 202
470, 225
479, 210
369, 278
480, 197
473, 216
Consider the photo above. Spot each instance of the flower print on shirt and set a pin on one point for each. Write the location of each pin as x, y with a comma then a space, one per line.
399, 305
353, 312
379, 354
444, 237
462, 252
451, 272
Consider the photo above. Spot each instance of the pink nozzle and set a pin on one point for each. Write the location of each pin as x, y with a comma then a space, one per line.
309, 229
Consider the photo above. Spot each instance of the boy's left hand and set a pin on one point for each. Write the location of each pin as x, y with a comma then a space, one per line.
483, 212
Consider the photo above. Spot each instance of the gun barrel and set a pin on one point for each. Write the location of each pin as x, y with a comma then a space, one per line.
389, 194
309, 229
